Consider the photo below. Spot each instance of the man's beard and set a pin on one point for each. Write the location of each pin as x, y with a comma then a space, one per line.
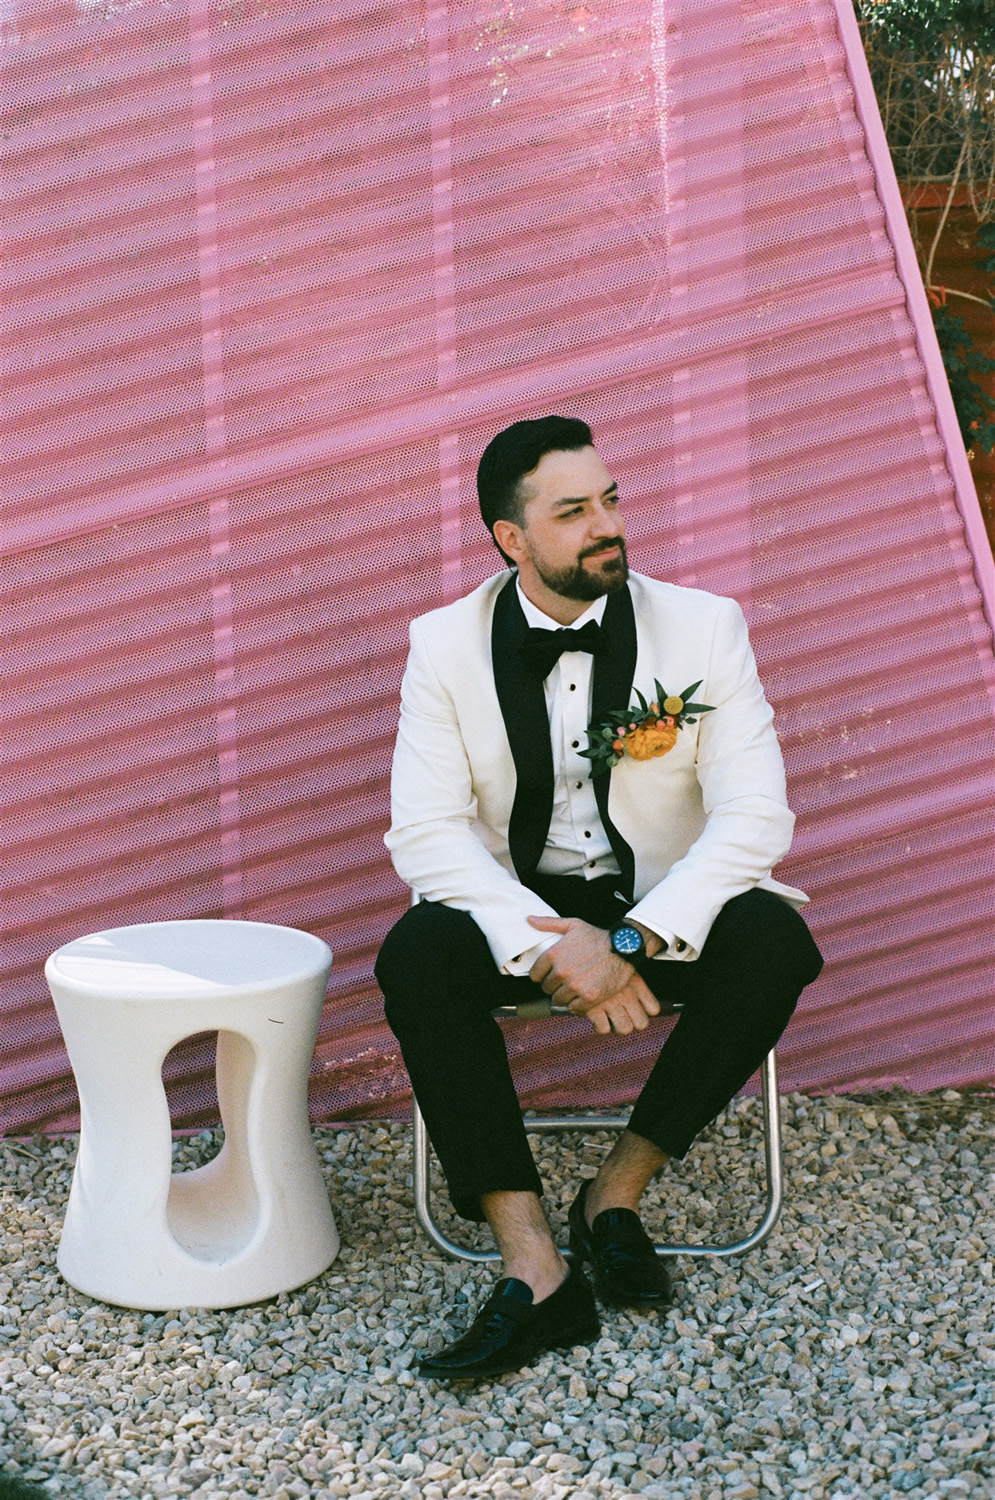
578, 583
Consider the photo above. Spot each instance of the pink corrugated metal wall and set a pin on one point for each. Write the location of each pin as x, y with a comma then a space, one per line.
272, 276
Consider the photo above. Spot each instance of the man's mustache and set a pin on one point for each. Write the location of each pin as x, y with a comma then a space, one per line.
605, 547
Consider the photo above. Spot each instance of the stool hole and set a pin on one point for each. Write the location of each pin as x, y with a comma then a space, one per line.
213, 1208
189, 1081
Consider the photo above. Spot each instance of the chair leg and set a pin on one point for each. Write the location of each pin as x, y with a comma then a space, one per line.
775, 1177
421, 1174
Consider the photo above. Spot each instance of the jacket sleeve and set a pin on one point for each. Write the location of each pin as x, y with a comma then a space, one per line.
739, 768
432, 839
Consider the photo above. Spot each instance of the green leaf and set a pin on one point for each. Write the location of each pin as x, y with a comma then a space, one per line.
660, 694
687, 693
642, 702
699, 708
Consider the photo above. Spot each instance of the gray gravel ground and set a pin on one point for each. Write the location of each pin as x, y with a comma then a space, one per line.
854, 1355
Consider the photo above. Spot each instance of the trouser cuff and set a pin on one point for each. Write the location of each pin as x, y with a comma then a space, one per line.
466, 1198
674, 1143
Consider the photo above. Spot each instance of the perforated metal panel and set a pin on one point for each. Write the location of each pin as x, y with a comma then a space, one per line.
272, 278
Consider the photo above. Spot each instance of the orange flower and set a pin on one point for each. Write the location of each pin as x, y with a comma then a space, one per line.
647, 742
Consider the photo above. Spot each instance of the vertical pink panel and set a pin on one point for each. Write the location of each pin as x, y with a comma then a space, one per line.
109, 780
100, 261
271, 279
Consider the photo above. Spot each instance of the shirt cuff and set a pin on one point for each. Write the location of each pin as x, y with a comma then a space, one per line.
674, 948
519, 966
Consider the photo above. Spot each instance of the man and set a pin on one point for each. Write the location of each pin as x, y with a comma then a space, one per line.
646, 881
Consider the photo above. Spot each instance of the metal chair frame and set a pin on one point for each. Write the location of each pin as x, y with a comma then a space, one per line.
422, 1169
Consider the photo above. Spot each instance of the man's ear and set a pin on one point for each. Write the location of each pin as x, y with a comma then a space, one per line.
510, 539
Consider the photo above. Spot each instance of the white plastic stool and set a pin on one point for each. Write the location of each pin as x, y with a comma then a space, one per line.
255, 1220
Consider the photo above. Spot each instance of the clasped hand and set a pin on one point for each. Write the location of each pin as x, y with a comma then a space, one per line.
583, 972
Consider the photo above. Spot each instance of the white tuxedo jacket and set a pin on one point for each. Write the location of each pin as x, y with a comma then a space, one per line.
472, 785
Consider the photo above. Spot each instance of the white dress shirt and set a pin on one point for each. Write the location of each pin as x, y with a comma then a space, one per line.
577, 843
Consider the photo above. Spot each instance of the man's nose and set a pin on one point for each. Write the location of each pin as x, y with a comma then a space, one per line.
605, 522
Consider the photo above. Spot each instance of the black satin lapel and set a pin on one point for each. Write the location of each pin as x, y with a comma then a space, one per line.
523, 708
614, 669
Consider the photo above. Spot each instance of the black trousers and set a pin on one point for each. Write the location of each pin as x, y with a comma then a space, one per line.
440, 985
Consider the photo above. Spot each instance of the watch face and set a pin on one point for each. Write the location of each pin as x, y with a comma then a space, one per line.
627, 940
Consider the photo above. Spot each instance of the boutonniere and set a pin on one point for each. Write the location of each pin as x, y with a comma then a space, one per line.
644, 731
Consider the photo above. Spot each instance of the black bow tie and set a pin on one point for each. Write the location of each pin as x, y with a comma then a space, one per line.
542, 649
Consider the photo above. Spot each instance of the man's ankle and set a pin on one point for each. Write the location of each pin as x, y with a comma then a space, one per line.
544, 1271
601, 1196
525, 1240
624, 1175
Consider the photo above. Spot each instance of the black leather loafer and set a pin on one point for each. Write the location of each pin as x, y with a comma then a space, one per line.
511, 1329
627, 1270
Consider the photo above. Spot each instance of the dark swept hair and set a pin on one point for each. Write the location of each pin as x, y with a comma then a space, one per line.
514, 453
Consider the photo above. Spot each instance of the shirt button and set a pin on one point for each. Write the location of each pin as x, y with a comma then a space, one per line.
573, 687
574, 744
590, 864
578, 785
586, 833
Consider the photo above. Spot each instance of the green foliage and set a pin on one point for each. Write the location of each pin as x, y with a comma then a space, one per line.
933, 66
925, 27
961, 360
986, 239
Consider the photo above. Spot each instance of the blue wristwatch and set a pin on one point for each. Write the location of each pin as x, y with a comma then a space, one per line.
627, 942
